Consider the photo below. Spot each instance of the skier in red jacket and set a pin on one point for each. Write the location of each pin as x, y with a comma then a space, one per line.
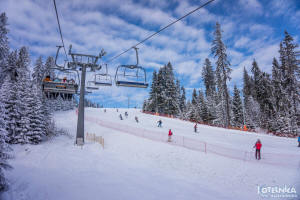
258, 147
170, 135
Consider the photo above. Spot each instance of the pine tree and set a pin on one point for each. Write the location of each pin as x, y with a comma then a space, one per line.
10, 101
291, 80
204, 116
208, 78
171, 102
37, 124
4, 149
4, 47
182, 101
222, 73
256, 81
251, 106
152, 105
23, 91
237, 108
193, 109
38, 72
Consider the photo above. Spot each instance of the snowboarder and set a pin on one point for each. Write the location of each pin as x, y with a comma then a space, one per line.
170, 135
195, 128
258, 147
299, 141
136, 119
159, 123
121, 118
126, 114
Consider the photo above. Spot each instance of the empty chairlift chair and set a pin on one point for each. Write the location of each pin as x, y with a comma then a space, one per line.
91, 86
131, 75
103, 79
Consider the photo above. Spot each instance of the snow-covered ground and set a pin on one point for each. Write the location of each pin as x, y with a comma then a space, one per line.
132, 167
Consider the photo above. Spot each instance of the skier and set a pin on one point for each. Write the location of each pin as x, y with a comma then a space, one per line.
117, 110
170, 135
105, 110
136, 119
258, 147
299, 141
159, 123
126, 114
195, 128
121, 118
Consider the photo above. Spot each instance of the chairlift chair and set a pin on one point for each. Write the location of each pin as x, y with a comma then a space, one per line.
64, 84
131, 75
91, 86
103, 79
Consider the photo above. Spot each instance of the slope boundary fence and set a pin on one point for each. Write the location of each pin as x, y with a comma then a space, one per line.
94, 138
285, 160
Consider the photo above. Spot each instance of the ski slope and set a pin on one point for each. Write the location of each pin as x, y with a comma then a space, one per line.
134, 167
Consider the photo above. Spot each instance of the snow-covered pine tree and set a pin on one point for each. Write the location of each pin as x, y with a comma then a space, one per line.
262, 93
177, 97
161, 93
182, 102
38, 72
193, 108
4, 149
152, 101
222, 73
251, 106
237, 108
291, 80
257, 75
208, 77
279, 98
9, 98
4, 47
37, 124
202, 104
23, 92
172, 106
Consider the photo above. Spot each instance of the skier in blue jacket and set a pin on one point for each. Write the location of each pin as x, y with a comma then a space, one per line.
299, 141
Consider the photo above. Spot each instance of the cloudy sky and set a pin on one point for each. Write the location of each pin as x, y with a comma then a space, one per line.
252, 29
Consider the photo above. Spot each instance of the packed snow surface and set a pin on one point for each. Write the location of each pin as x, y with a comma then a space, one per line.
134, 168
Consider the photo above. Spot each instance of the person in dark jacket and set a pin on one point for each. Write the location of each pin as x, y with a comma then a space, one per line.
136, 119
258, 147
121, 118
159, 123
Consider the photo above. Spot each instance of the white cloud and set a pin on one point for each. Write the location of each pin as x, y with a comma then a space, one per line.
251, 6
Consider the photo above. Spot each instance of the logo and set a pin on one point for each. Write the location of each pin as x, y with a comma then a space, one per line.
277, 191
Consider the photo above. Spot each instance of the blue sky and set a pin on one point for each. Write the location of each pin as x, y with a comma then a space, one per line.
252, 29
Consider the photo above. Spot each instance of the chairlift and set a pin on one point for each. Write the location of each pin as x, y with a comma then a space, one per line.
91, 86
103, 79
131, 75
64, 83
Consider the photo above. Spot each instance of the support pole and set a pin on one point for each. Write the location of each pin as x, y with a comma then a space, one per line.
80, 120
